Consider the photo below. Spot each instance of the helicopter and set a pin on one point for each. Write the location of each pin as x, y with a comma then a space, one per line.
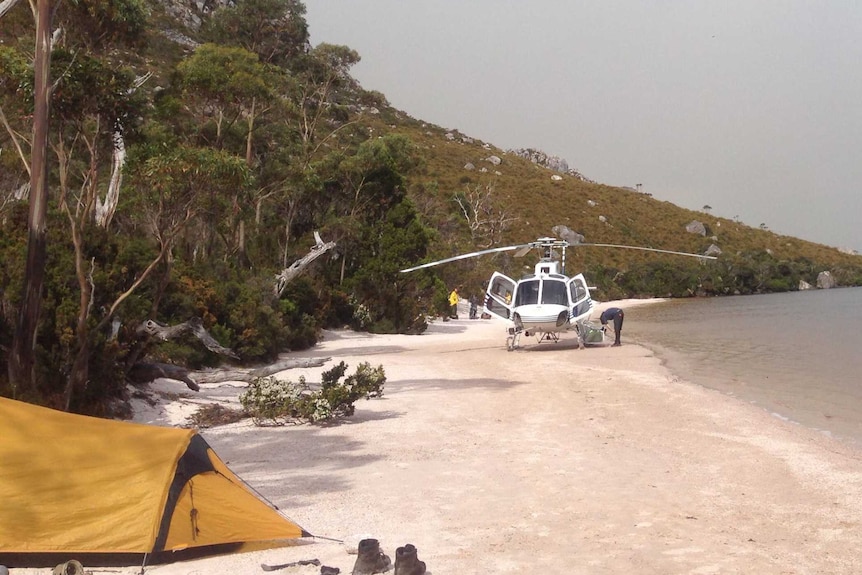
547, 302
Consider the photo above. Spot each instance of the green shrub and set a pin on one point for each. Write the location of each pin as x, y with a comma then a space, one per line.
269, 400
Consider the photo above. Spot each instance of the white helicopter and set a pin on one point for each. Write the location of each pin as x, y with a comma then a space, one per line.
546, 302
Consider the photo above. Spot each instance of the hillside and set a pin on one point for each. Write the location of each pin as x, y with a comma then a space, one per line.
537, 198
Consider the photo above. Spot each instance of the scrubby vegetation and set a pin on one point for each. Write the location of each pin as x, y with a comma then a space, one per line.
270, 401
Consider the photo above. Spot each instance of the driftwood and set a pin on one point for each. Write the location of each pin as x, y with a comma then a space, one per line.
145, 372
221, 376
297, 267
195, 326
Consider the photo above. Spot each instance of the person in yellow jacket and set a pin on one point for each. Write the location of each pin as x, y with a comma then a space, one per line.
453, 304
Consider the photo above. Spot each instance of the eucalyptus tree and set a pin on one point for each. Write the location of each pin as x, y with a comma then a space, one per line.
228, 90
94, 100
322, 77
88, 27
363, 187
275, 30
397, 302
222, 86
315, 109
176, 193
21, 358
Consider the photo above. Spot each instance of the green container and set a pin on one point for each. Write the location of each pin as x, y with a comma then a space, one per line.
594, 335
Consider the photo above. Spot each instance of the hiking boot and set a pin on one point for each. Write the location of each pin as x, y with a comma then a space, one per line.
370, 559
70, 567
406, 561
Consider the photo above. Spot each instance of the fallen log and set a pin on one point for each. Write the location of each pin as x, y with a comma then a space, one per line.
145, 372
247, 376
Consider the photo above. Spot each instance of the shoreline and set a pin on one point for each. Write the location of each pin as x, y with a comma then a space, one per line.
762, 369
548, 458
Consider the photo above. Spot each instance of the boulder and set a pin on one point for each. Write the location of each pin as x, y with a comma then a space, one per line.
568, 235
696, 227
825, 280
712, 250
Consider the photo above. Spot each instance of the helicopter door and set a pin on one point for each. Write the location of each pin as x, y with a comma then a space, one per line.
498, 297
582, 304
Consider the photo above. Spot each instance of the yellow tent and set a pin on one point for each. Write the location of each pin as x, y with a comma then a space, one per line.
76, 484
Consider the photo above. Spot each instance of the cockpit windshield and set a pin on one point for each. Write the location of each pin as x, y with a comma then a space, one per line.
554, 292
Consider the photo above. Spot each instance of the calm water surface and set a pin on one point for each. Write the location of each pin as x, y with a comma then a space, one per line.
798, 355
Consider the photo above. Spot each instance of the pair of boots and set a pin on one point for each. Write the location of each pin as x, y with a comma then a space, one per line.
371, 559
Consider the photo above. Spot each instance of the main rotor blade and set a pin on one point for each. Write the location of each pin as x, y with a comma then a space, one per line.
465, 256
523, 251
645, 249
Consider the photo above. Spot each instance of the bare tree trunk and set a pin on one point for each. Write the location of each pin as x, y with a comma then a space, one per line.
291, 213
79, 220
80, 373
21, 359
105, 211
343, 266
248, 140
241, 242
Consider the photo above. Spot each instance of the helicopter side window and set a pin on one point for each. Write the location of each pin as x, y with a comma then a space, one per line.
554, 292
579, 291
528, 293
499, 288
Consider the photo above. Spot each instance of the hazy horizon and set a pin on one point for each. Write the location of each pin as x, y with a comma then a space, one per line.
750, 108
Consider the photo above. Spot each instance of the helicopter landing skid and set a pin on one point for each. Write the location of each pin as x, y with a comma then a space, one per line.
513, 338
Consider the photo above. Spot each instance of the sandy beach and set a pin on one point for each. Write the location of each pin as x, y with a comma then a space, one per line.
547, 459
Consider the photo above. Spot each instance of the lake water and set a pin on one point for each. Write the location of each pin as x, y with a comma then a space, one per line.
798, 354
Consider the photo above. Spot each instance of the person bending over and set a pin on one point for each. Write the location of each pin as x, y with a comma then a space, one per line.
617, 315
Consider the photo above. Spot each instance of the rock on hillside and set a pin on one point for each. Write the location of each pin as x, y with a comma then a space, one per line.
555, 163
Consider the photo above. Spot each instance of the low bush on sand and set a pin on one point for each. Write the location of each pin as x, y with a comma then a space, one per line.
270, 401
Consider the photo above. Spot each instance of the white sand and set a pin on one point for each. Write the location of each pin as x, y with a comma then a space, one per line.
548, 459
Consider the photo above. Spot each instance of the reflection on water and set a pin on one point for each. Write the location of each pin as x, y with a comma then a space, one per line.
797, 354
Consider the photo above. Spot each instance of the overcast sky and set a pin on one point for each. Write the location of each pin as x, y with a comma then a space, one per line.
753, 107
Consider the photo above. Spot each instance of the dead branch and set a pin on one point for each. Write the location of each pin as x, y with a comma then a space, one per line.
485, 220
297, 267
194, 326
6, 5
